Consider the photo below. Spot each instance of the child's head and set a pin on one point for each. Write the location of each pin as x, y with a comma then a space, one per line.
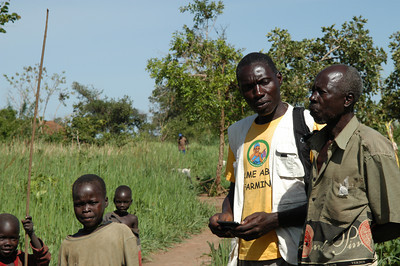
123, 198
90, 200
9, 234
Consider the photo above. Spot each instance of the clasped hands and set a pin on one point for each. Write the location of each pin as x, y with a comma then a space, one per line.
252, 227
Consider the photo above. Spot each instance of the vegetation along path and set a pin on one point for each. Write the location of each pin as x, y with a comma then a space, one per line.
191, 252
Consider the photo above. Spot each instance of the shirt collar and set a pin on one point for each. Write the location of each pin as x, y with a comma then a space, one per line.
318, 140
344, 136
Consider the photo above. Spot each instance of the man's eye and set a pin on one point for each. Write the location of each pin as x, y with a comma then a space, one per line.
246, 88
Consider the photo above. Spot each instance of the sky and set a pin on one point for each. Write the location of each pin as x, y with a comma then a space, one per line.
106, 44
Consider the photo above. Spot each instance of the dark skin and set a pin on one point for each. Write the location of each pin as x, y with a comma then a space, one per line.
260, 87
9, 237
122, 201
331, 106
89, 205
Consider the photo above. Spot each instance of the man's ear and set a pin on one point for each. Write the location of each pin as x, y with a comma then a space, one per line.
279, 77
349, 100
106, 202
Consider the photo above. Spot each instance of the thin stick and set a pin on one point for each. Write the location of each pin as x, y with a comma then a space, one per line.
389, 129
28, 192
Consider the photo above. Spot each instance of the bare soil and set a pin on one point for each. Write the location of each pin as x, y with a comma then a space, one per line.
192, 251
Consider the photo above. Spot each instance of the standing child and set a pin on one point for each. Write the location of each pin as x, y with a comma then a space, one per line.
9, 238
96, 243
122, 201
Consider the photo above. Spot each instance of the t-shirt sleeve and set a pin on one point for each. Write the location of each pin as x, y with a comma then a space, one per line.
62, 257
383, 179
229, 171
131, 251
318, 126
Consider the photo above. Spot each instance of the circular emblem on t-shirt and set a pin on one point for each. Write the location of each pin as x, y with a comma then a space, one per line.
308, 239
364, 231
258, 153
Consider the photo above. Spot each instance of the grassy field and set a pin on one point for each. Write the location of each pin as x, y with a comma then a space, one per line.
164, 199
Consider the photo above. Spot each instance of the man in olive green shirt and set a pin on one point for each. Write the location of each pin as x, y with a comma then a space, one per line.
355, 181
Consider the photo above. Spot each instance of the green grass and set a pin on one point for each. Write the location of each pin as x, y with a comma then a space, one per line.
163, 199
220, 255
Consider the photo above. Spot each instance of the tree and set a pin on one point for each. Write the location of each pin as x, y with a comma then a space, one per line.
197, 79
391, 89
97, 119
300, 61
5, 17
11, 126
24, 85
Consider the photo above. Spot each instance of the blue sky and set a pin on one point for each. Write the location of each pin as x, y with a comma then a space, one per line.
106, 44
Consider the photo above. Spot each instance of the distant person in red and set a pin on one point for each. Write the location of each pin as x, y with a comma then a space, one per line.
9, 238
182, 143
122, 201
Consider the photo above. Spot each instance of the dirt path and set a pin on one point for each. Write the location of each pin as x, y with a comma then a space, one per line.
192, 251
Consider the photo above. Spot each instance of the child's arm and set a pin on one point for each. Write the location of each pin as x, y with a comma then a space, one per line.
28, 227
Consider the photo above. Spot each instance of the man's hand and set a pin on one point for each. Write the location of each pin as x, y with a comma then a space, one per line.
256, 225
216, 228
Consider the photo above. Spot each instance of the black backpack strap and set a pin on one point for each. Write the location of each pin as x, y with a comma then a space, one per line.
301, 130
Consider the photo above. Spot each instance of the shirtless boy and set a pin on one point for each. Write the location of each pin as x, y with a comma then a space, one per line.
97, 243
9, 238
122, 201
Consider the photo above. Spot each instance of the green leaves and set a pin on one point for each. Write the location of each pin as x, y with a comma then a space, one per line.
196, 81
300, 61
96, 119
5, 17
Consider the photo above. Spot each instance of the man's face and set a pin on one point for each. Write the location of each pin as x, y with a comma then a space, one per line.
327, 102
122, 201
259, 86
89, 205
9, 237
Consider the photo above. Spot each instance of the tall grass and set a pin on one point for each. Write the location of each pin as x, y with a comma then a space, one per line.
163, 199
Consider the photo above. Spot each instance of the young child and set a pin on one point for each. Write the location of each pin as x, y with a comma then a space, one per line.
96, 243
9, 238
122, 201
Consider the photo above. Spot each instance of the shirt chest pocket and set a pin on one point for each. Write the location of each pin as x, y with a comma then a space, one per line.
288, 163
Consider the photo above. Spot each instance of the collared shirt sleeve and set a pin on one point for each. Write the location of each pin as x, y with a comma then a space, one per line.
383, 179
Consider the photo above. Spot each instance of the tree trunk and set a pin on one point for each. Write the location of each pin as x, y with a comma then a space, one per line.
216, 187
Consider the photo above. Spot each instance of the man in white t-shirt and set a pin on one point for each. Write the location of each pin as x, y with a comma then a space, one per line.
267, 195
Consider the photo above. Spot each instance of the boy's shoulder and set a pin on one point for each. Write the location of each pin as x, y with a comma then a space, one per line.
109, 228
130, 215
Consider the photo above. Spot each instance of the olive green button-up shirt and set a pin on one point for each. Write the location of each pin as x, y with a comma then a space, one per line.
357, 186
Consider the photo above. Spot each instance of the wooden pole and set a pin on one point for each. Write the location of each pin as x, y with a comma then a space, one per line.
28, 192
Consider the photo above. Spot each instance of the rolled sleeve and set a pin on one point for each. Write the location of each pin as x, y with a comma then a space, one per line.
383, 179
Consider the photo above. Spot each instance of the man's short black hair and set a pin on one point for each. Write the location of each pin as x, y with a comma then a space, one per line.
351, 82
90, 178
253, 58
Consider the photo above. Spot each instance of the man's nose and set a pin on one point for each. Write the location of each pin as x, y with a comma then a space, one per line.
313, 96
258, 90
86, 207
